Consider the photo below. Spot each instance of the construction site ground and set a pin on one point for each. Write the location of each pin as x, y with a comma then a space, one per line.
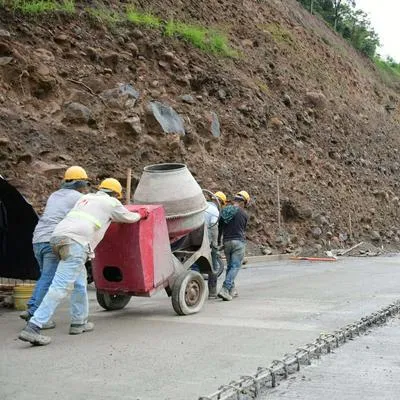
367, 368
147, 352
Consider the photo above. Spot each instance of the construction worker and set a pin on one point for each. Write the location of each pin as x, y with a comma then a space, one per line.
232, 226
58, 205
74, 240
211, 219
211, 222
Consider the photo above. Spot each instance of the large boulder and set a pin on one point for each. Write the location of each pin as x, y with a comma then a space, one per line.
316, 99
44, 168
165, 117
123, 96
77, 113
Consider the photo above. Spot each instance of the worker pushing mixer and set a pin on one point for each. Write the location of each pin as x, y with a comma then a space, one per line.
211, 217
232, 226
74, 240
59, 204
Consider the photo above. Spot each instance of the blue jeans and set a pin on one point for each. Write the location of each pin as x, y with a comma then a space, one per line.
48, 262
234, 253
70, 276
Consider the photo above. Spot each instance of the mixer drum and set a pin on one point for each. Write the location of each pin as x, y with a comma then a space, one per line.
173, 186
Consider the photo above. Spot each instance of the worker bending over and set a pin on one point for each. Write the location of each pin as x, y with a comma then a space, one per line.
58, 205
232, 226
211, 222
74, 239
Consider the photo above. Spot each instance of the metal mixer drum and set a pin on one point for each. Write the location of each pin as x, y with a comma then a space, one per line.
173, 186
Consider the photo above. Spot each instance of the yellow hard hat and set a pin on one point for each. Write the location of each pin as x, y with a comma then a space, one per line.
113, 185
75, 173
221, 196
243, 195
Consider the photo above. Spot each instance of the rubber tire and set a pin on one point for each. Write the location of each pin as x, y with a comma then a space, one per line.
112, 302
179, 293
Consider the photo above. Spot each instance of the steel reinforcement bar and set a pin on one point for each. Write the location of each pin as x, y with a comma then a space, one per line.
252, 386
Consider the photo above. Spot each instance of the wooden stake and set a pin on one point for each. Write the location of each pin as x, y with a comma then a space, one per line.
351, 248
350, 227
279, 202
128, 186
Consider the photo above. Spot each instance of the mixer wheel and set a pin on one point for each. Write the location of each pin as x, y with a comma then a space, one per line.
189, 293
112, 302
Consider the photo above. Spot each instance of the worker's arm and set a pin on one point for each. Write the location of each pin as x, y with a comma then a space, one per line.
121, 214
220, 223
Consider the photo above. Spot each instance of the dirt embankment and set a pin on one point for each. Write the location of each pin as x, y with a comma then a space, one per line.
298, 102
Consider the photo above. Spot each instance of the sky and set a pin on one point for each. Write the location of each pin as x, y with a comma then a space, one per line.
385, 18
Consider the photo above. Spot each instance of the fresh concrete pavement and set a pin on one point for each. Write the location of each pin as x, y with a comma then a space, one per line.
367, 368
147, 352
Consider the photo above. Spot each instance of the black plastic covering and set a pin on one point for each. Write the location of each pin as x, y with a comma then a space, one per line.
17, 223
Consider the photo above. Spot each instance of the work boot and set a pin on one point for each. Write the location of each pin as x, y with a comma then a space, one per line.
49, 325
31, 334
77, 329
224, 294
212, 294
233, 292
25, 315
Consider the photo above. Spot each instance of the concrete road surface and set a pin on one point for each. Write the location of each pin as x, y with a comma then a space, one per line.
367, 368
147, 352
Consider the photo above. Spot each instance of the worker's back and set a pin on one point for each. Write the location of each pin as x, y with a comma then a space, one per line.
89, 219
58, 205
233, 223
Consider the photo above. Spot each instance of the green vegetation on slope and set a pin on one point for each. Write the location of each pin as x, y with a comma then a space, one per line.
144, 19
389, 70
41, 6
354, 25
205, 39
208, 40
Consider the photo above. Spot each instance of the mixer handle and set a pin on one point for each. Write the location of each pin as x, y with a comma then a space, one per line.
211, 194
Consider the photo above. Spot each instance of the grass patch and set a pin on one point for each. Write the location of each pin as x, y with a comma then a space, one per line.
42, 6
389, 68
104, 16
278, 33
208, 40
143, 19
389, 71
263, 86
205, 39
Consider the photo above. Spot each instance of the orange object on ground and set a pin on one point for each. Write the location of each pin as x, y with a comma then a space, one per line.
313, 258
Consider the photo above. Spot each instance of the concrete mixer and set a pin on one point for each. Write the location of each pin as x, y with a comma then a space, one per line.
157, 253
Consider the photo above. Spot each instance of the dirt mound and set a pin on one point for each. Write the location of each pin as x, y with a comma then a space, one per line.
297, 102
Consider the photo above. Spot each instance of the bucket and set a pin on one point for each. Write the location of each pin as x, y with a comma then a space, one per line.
22, 293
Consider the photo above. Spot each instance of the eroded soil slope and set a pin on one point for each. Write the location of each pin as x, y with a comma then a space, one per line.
297, 101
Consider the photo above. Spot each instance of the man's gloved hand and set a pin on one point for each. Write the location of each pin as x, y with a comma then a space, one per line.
143, 213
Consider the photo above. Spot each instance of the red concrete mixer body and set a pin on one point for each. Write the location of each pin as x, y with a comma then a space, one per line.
135, 259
